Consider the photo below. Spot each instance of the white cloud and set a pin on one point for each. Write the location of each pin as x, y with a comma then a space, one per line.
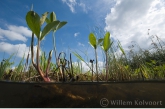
21, 30
83, 7
101, 66
97, 9
86, 68
15, 33
73, 3
76, 34
129, 20
11, 35
2, 38
80, 44
20, 49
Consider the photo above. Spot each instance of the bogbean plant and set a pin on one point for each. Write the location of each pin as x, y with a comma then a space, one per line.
105, 43
34, 22
53, 18
94, 43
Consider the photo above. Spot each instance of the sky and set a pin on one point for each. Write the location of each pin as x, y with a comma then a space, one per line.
127, 21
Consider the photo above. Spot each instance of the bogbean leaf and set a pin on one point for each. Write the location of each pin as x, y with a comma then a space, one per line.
33, 21
43, 18
92, 40
48, 28
61, 24
47, 20
52, 17
106, 42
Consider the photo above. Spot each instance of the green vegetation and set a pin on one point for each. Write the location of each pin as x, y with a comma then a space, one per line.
94, 43
126, 66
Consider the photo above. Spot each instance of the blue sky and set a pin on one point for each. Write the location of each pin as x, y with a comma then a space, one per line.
127, 21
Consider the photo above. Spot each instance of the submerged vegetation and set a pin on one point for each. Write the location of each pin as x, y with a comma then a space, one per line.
126, 66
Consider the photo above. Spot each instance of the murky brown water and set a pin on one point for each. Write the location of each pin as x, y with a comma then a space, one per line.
84, 94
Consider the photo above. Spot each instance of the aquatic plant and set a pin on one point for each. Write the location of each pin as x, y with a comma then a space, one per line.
94, 43
34, 22
107, 43
53, 18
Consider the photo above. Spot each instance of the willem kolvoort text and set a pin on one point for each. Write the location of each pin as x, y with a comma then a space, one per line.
136, 102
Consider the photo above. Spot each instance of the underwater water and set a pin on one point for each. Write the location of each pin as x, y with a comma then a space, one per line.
82, 94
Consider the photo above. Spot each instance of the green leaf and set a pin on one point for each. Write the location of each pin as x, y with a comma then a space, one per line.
61, 24
47, 20
48, 28
52, 17
33, 21
42, 19
92, 40
121, 48
106, 42
78, 56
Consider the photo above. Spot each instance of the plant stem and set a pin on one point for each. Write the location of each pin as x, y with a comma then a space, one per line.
37, 67
54, 45
106, 53
38, 54
32, 52
71, 64
96, 65
92, 69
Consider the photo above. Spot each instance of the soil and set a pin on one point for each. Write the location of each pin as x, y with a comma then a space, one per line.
150, 94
